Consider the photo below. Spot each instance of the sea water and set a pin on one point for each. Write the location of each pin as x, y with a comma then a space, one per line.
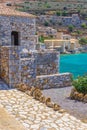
74, 63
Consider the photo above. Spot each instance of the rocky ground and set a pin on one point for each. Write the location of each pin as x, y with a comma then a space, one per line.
34, 115
61, 96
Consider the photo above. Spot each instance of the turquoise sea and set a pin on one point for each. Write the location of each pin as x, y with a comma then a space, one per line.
74, 63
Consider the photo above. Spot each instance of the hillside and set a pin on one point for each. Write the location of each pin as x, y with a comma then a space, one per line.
53, 5
12, 1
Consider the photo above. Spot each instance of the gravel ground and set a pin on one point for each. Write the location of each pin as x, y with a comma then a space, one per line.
61, 96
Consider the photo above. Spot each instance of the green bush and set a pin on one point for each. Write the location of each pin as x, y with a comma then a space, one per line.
70, 28
78, 32
58, 13
80, 84
46, 23
64, 13
41, 39
83, 41
84, 25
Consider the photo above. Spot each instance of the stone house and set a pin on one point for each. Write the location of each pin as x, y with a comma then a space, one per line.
17, 28
64, 20
46, 31
64, 43
66, 37
19, 59
17, 31
74, 20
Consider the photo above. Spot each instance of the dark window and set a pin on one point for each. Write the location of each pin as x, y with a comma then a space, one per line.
15, 38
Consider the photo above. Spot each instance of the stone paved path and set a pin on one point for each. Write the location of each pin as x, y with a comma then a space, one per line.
7, 121
61, 96
34, 115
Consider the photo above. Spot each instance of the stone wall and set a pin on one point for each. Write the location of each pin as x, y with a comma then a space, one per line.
0, 59
10, 64
74, 19
53, 81
14, 65
4, 64
34, 68
24, 26
28, 70
47, 62
17, 66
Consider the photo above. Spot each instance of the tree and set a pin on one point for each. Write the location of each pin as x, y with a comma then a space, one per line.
83, 41
64, 13
79, 10
46, 23
84, 25
48, 6
70, 28
58, 13
41, 39
78, 32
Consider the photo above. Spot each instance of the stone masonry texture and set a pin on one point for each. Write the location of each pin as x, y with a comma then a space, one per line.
53, 81
22, 63
19, 65
47, 62
34, 115
24, 26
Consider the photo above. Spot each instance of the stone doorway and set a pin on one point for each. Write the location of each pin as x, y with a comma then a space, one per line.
15, 38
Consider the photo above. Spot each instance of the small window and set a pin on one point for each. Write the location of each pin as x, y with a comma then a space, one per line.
15, 38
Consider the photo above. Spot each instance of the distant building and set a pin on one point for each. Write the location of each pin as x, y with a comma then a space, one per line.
66, 43
64, 20
20, 62
46, 31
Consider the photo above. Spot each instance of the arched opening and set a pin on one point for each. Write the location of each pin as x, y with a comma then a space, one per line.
15, 38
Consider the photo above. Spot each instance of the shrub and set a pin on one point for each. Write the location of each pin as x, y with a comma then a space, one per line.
83, 41
78, 32
41, 39
48, 6
58, 13
70, 28
80, 84
84, 25
46, 23
64, 13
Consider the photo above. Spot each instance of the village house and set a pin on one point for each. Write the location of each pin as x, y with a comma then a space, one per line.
74, 20
63, 43
20, 62
64, 20
17, 32
46, 31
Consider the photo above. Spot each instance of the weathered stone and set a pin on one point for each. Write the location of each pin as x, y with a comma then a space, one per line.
20, 62
42, 117
85, 98
54, 81
78, 96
